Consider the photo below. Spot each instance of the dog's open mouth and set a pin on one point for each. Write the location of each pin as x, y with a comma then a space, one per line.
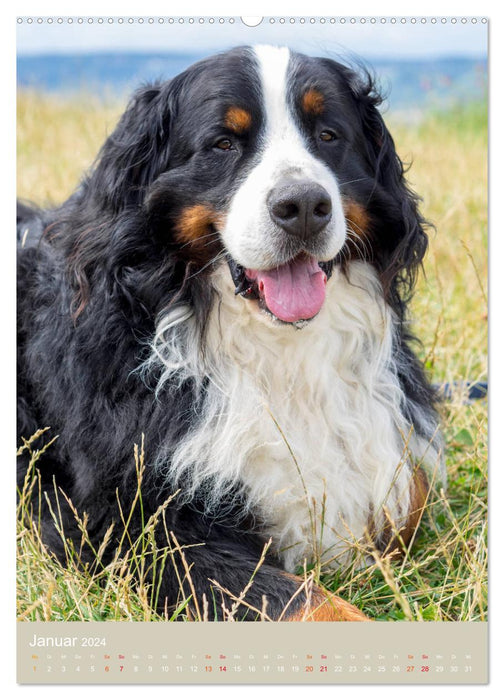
292, 292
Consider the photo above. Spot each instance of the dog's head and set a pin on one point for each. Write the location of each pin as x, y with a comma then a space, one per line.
279, 164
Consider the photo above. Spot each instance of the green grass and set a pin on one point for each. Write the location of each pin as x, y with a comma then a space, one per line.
443, 574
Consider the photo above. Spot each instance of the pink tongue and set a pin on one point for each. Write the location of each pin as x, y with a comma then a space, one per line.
294, 291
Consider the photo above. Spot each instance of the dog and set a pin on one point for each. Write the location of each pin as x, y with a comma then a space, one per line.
230, 283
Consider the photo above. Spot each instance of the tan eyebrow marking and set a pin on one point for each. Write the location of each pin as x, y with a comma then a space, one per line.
238, 119
313, 102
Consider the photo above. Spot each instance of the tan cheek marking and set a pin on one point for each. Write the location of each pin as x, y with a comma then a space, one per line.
238, 119
313, 102
357, 217
194, 222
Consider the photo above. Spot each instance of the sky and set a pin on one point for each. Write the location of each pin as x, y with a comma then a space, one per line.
381, 40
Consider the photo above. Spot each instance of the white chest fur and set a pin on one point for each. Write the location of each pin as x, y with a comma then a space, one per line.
308, 421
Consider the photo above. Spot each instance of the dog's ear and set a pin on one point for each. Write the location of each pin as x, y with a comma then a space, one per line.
98, 221
136, 151
403, 241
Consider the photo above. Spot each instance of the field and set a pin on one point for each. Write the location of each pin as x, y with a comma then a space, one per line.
443, 574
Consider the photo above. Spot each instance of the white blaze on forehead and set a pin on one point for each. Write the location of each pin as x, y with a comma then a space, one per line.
249, 234
273, 63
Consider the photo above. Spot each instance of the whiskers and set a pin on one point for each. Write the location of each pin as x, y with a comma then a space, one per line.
350, 182
216, 259
213, 236
356, 244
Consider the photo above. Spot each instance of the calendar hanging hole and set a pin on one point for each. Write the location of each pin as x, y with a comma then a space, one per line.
251, 21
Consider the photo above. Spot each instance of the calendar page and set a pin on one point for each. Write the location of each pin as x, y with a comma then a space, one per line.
252, 332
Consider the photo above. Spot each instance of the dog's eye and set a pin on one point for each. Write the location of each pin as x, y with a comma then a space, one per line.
328, 135
223, 144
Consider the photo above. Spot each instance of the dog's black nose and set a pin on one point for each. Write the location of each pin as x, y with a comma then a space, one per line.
302, 208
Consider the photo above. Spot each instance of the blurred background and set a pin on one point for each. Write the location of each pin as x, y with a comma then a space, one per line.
420, 64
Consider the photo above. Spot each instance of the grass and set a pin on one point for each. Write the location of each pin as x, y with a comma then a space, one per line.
443, 574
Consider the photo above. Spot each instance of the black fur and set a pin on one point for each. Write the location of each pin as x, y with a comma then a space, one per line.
95, 273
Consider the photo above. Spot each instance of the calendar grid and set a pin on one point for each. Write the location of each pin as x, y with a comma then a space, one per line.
418, 653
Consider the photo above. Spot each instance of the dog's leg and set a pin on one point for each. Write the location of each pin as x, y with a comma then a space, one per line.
223, 581
397, 542
419, 491
221, 572
323, 606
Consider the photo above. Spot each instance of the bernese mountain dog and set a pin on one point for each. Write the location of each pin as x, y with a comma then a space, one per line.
229, 284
